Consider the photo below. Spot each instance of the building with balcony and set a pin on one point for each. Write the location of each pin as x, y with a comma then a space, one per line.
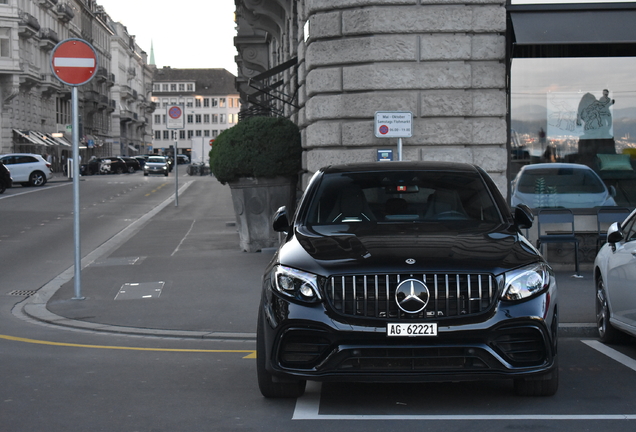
210, 103
35, 104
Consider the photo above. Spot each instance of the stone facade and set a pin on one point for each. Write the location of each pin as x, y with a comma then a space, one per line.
442, 60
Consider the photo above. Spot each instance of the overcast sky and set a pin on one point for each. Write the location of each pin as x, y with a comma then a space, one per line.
185, 33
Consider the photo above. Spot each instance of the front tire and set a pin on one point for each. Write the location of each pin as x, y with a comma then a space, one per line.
3, 187
606, 331
270, 388
37, 178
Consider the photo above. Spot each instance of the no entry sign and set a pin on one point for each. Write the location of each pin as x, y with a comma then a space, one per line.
74, 61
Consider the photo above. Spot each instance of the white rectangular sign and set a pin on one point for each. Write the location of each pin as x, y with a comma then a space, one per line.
393, 124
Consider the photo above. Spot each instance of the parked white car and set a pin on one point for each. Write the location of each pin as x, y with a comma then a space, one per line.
615, 277
560, 185
27, 169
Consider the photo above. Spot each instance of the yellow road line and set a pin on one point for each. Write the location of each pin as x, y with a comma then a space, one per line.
251, 353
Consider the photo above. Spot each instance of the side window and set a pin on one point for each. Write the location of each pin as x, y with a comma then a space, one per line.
630, 233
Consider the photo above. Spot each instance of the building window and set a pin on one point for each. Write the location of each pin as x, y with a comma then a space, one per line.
206, 133
221, 102
215, 133
182, 134
190, 87
164, 119
156, 87
166, 134
173, 87
157, 135
206, 103
157, 118
197, 133
197, 103
181, 87
215, 118
197, 118
215, 102
206, 118
188, 103
190, 134
190, 119
221, 118
165, 87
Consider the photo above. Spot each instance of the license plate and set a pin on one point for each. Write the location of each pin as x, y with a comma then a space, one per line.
411, 330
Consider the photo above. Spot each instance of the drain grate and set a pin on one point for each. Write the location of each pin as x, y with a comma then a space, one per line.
22, 293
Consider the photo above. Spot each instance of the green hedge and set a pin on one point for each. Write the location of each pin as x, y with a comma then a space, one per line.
257, 147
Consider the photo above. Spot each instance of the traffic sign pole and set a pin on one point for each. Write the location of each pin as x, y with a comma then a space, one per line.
74, 62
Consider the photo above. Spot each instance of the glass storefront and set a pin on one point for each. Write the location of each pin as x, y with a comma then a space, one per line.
572, 103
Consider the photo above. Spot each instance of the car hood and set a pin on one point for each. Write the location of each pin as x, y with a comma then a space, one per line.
334, 249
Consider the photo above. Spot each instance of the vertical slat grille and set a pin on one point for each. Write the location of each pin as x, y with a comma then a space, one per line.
373, 296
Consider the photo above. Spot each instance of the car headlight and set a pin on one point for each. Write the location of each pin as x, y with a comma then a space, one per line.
525, 282
296, 284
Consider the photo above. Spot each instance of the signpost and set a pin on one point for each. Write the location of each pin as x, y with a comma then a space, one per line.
74, 62
394, 124
175, 120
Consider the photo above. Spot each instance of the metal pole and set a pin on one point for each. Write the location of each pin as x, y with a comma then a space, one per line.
399, 149
176, 173
76, 207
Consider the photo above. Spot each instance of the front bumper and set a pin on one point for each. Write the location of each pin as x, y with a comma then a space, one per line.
308, 342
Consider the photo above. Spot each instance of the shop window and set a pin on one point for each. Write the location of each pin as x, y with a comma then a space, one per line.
573, 98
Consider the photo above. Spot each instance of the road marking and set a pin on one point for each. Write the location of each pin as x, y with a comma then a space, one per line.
251, 354
611, 353
308, 408
34, 190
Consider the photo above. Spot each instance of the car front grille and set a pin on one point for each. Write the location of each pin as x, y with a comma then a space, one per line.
373, 296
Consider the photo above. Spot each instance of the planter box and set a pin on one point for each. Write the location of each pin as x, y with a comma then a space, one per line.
255, 202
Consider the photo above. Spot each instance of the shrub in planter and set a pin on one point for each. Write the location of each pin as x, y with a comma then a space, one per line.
258, 147
260, 159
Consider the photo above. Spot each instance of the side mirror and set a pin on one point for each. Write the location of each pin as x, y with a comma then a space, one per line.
614, 234
523, 216
612, 191
281, 221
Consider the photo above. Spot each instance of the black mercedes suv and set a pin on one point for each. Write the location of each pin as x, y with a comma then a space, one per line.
406, 271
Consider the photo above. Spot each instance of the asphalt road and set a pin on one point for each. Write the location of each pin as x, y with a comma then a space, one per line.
54, 378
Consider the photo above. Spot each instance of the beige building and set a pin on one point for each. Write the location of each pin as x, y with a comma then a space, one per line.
35, 104
210, 105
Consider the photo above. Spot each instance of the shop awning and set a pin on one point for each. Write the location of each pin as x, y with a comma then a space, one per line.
571, 27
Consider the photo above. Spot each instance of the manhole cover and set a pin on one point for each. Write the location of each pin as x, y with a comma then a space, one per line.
139, 290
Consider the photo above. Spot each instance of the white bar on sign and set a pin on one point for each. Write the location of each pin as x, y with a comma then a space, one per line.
73, 62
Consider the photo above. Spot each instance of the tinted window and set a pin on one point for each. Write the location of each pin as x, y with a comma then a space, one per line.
402, 196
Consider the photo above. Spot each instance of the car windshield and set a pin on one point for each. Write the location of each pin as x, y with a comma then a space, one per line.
157, 159
402, 196
559, 181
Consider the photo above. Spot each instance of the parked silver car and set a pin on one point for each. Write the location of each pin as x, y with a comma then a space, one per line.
615, 277
560, 185
27, 169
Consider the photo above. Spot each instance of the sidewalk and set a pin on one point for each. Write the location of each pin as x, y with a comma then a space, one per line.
179, 273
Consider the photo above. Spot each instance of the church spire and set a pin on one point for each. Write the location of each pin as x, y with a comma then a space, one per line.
152, 54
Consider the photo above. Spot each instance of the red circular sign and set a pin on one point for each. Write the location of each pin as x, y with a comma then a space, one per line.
174, 112
74, 62
384, 129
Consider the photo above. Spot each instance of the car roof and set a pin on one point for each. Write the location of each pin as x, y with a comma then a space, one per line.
400, 166
556, 165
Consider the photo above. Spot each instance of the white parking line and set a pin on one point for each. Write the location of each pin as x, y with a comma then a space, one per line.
308, 408
611, 353
34, 190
